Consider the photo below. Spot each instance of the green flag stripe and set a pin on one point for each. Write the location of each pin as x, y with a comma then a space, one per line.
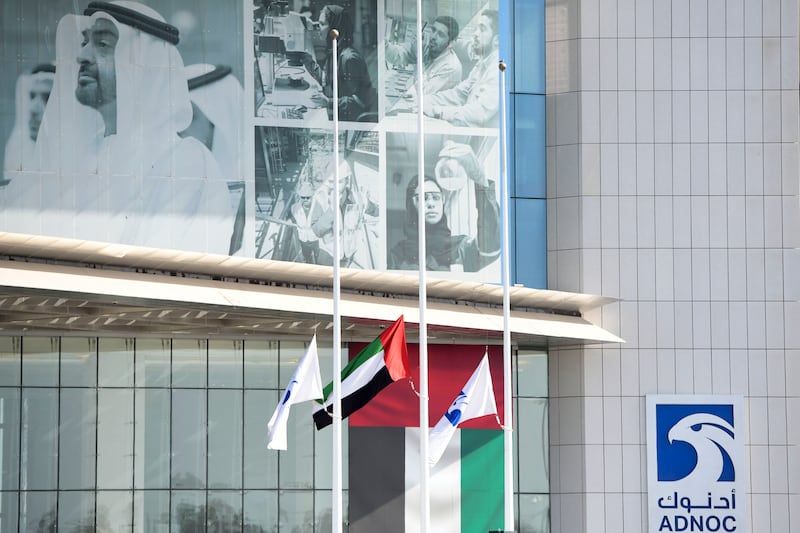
481, 480
370, 350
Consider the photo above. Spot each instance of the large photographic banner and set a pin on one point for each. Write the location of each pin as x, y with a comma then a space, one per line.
123, 122
378, 108
207, 126
696, 463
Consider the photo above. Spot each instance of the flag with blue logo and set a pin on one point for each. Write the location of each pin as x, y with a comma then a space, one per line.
476, 399
306, 384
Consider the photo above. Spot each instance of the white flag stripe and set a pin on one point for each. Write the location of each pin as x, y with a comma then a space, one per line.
444, 483
475, 399
360, 377
306, 384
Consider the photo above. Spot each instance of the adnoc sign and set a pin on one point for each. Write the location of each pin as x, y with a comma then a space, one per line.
695, 464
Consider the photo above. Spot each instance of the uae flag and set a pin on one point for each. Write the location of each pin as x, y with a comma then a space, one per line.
465, 486
378, 365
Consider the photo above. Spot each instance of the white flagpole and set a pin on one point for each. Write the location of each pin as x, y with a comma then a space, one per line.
336, 526
508, 423
424, 468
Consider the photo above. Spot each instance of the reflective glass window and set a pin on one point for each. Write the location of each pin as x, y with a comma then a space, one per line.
323, 509
188, 510
297, 462
534, 513
9, 505
151, 438
115, 438
153, 359
78, 436
151, 511
225, 364
9, 440
296, 510
261, 469
10, 361
40, 361
76, 511
534, 439
290, 355
115, 362
188, 439
260, 364
224, 512
189, 362
38, 511
114, 510
78, 361
531, 373
261, 510
225, 412
39, 439
323, 466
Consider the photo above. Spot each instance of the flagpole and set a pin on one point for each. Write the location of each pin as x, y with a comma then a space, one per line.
508, 425
424, 469
336, 526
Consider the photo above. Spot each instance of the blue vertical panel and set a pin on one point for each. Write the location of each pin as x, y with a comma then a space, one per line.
530, 220
511, 151
512, 240
529, 76
527, 155
530, 171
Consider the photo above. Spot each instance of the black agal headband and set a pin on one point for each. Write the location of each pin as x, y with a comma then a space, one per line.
219, 72
137, 20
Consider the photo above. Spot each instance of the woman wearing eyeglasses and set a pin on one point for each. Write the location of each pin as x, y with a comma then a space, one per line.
446, 250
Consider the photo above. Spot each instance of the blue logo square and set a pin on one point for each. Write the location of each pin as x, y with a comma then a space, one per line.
695, 442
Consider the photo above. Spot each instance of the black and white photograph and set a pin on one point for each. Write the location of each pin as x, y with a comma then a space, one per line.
459, 195
293, 60
130, 122
460, 57
295, 180
127, 123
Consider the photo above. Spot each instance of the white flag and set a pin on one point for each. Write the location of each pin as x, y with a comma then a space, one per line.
306, 384
475, 399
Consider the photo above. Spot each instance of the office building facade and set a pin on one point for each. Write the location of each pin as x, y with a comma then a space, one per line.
158, 293
672, 185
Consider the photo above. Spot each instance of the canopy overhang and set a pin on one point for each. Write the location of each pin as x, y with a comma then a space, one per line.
50, 285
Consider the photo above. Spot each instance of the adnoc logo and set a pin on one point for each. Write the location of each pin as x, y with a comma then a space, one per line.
694, 442
695, 450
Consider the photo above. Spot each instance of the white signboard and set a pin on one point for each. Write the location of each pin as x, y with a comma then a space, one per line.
695, 464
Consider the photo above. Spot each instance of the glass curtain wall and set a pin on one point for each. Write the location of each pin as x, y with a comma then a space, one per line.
155, 435
531, 468
150, 434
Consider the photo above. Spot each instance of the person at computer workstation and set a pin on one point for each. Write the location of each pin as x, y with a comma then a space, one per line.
358, 99
441, 67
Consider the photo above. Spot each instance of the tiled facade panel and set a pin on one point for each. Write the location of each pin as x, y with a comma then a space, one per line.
672, 184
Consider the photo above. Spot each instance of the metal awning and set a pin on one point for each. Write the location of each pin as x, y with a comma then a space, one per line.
50, 285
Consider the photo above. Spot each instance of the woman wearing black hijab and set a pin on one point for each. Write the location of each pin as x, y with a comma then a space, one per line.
445, 251
358, 99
